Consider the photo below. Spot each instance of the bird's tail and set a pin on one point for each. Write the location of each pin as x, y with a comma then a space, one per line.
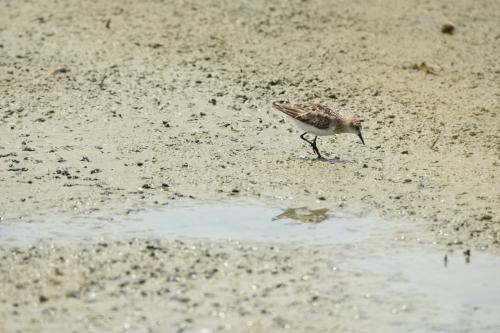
291, 111
277, 106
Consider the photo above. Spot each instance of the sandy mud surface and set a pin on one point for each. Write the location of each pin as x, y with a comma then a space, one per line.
192, 286
107, 107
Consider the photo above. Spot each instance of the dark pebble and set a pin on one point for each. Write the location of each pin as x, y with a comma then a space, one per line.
447, 28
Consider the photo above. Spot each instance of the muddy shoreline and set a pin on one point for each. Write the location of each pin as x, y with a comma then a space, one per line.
144, 285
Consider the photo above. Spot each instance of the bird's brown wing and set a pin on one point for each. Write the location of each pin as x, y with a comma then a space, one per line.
323, 110
315, 115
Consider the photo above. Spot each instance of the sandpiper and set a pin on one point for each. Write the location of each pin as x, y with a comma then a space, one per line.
320, 121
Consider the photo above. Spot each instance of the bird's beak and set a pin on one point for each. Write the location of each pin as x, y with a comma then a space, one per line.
361, 137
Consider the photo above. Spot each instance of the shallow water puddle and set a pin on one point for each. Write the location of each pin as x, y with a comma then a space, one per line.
462, 291
209, 221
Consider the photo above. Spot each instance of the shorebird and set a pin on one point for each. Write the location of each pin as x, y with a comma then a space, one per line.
320, 121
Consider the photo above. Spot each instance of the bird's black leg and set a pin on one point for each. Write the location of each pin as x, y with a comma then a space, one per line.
312, 143
315, 148
303, 137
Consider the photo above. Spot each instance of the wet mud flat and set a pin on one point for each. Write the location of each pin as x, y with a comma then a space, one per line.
275, 269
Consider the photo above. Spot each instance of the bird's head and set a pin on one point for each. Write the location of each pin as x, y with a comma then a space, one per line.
355, 128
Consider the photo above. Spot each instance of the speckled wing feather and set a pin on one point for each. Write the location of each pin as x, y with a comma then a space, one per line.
315, 115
